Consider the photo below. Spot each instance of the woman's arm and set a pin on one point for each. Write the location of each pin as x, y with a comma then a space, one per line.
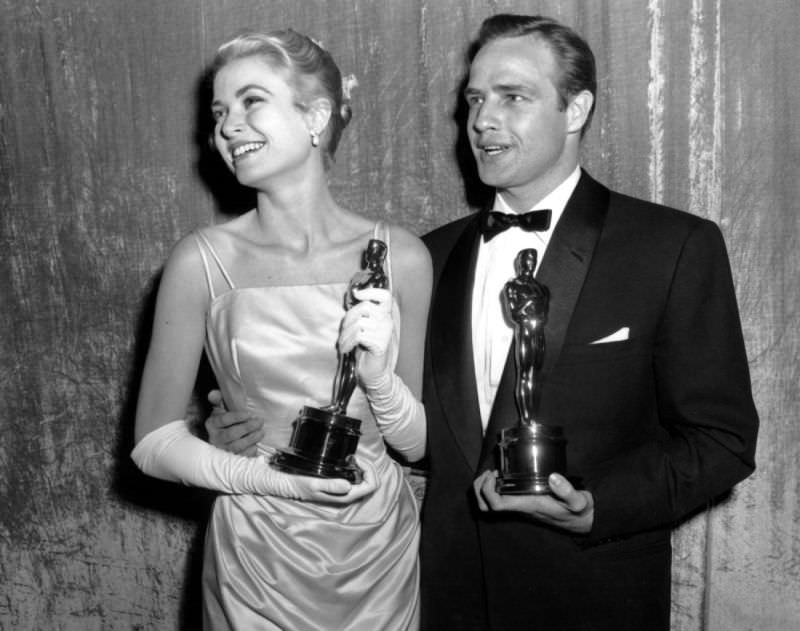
176, 345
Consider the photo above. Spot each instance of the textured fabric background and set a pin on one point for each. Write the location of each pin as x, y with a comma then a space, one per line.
102, 169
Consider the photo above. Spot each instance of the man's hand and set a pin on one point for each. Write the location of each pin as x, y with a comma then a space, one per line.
566, 508
236, 432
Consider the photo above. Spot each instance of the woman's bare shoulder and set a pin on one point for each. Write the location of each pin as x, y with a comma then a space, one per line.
184, 269
408, 250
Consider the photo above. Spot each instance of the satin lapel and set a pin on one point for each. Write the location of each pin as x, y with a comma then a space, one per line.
567, 261
451, 345
563, 271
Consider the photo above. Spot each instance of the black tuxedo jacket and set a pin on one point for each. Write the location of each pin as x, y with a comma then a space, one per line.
657, 425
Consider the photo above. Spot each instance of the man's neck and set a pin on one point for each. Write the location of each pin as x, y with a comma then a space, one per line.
529, 199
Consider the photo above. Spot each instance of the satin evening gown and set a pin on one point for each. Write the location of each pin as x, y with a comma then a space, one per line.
274, 563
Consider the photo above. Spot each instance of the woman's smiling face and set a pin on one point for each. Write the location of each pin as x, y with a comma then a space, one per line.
260, 131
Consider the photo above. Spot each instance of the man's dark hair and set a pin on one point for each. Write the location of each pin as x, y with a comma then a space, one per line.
574, 57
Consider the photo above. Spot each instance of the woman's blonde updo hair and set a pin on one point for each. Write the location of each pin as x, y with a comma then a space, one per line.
310, 70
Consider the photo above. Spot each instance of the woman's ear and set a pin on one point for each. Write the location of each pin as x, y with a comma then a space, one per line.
317, 116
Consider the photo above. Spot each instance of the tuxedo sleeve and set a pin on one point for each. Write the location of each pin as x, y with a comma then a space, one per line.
703, 400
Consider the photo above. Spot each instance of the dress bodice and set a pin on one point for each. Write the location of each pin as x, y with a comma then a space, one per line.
273, 350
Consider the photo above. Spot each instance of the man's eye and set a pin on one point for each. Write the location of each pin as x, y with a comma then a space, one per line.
217, 115
472, 101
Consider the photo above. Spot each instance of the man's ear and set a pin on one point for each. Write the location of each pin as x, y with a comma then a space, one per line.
317, 115
578, 110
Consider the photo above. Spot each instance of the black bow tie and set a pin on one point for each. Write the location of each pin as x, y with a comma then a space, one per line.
493, 223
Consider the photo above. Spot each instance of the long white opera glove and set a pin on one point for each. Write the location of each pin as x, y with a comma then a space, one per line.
171, 452
400, 416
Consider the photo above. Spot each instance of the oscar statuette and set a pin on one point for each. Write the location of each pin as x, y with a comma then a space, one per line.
530, 451
324, 440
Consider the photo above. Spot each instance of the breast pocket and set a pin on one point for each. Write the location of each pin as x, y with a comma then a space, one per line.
575, 354
601, 386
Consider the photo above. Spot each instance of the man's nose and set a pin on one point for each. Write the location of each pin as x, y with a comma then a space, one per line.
485, 117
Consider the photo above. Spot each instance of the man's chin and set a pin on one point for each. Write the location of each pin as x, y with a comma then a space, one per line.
491, 176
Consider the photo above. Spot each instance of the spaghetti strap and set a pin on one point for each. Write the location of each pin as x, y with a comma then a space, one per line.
204, 244
381, 232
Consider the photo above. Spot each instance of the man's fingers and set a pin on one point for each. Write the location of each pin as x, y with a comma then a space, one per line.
484, 486
243, 430
565, 508
215, 399
236, 432
246, 445
238, 423
576, 502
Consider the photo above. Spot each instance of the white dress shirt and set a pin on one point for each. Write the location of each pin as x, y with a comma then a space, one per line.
491, 332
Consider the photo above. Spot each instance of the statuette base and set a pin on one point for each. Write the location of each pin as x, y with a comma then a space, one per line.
528, 455
322, 445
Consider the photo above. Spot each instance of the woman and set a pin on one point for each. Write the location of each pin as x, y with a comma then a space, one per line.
264, 293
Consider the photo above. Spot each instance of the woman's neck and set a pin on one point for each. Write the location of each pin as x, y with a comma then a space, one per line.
298, 217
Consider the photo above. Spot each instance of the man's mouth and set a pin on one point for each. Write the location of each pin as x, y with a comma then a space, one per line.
493, 149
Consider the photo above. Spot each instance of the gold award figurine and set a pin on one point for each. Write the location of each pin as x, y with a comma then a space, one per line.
530, 451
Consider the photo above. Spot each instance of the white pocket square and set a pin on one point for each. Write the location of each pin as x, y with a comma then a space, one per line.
617, 336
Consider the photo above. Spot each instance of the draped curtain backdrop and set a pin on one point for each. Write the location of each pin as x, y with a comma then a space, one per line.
103, 168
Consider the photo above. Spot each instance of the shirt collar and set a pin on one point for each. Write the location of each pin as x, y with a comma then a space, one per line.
556, 200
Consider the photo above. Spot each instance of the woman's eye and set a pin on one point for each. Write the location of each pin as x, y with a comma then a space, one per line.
251, 100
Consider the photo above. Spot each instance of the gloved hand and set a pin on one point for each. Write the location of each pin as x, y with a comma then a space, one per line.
173, 453
400, 416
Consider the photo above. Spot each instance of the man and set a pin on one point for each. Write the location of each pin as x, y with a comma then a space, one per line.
645, 366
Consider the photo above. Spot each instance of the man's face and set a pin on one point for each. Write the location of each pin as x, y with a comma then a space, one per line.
517, 128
